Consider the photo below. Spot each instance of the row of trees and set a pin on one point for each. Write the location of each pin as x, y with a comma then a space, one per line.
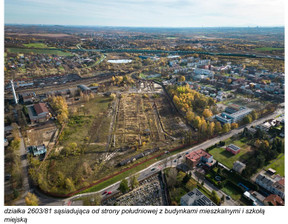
122, 80
13, 163
59, 104
187, 99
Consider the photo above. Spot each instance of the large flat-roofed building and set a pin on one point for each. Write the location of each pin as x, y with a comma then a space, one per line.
233, 114
195, 157
38, 113
196, 198
233, 149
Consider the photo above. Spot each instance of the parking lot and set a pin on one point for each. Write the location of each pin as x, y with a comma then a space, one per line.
148, 193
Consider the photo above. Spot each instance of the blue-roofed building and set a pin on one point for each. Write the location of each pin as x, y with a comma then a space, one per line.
37, 150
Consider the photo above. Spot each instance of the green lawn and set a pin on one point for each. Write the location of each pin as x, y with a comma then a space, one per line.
232, 191
269, 49
227, 158
278, 165
37, 45
38, 51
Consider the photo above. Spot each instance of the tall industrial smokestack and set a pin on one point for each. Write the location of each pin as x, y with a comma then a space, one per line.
14, 93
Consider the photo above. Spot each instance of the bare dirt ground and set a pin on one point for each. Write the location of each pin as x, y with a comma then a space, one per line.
44, 134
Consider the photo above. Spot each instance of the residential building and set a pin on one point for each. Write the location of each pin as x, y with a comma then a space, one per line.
273, 183
233, 149
199, 156
196, 198
238, 166
274, 199
37, 150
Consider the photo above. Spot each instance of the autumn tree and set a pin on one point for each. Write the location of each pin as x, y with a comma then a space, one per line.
31, 199
226, 127
218, 127
197, 122
207, 113
190, 115
182, 78
59, 104
234, 125
211, 128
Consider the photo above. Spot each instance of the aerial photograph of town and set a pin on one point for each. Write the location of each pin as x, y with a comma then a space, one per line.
143, 114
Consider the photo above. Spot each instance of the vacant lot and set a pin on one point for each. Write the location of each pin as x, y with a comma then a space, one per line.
136, 122
88, 123
227, 158
171, 122
44, 134
95, 139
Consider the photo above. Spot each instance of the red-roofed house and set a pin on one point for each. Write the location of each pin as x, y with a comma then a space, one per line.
274, 199
38, 112
195, 157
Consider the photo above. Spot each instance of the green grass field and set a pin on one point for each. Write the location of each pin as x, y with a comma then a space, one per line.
278, 164
227, 158
37, 45
269, 49
38, 51
232, 191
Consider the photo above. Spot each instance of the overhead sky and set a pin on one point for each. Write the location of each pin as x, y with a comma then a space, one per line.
147, 13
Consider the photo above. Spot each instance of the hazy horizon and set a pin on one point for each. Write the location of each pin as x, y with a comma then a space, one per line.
164, 27
146, 13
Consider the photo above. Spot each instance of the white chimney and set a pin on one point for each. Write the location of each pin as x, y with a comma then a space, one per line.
14, 93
